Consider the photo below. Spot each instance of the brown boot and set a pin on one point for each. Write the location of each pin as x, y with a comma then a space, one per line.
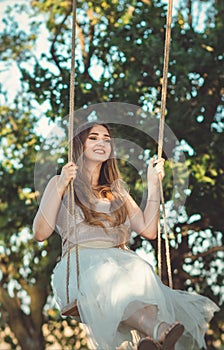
149, 343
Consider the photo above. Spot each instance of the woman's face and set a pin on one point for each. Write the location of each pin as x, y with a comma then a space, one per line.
97, 147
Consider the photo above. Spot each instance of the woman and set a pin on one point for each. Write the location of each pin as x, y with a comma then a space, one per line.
120, 298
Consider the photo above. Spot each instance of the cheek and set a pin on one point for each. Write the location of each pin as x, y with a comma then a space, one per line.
110, 153
86, 145
109, 148
85, 149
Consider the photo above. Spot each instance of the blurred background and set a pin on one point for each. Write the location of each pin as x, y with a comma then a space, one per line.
119, 58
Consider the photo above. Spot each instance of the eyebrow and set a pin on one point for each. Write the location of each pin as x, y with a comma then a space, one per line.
96, 133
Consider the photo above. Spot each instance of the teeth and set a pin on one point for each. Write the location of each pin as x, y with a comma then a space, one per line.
99, 151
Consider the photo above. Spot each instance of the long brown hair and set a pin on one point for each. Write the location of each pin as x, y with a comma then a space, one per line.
109, 184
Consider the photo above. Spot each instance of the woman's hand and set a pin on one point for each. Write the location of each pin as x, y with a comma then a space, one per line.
155, 171
68, 174
145, 222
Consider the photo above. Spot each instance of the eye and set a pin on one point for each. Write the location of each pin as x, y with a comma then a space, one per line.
107, 140
92, 138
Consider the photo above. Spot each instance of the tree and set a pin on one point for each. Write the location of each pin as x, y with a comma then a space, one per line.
125, 41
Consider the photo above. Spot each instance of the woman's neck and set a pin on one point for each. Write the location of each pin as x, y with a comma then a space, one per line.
93, 173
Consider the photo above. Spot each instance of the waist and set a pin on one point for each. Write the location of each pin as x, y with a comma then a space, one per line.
94, 244
91, 245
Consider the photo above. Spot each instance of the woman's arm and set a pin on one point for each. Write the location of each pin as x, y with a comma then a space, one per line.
145, 222
45, 219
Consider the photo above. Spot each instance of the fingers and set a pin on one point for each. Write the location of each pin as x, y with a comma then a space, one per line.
69, 165
70, 169
158, 164
68, 173
157, 167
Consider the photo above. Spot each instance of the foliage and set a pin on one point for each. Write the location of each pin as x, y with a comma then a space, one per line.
119, 57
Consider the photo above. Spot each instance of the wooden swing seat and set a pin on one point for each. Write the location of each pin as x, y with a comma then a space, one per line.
71, 310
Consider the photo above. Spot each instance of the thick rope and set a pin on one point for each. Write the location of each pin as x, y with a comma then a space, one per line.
71, 199
160, 143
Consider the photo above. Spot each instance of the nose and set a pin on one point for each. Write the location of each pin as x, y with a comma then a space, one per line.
101, 143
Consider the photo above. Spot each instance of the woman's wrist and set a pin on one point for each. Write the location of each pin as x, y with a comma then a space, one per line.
153, 190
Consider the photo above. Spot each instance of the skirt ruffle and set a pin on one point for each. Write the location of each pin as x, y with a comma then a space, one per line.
113, 285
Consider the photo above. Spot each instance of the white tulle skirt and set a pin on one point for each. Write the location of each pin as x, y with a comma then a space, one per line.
114, 284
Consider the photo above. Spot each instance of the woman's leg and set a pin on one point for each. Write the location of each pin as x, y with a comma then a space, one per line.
145, 320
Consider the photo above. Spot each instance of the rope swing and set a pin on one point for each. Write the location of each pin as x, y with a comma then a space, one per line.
160, 146
71, 308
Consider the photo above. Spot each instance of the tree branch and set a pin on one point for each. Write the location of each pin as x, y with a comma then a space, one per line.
203, 254
87, 54
53, 49
194, 226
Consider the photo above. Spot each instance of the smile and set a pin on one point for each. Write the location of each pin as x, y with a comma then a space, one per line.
99, 151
